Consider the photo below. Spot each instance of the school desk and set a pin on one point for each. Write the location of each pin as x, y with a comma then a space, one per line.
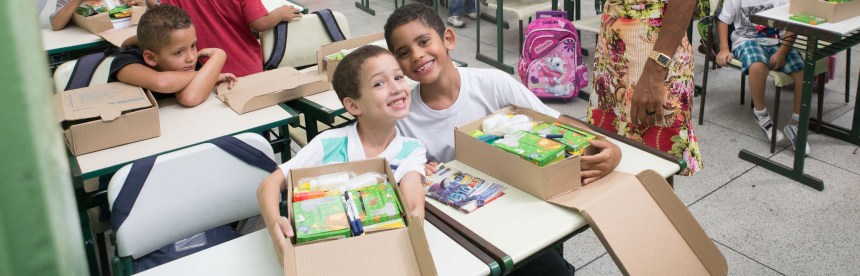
70, 42
181, 127
820, 41
253, 254
516, 226
274, 4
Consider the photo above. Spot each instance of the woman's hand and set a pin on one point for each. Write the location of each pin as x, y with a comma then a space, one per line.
646, 107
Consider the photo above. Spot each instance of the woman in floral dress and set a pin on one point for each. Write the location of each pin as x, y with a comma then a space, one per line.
658, 112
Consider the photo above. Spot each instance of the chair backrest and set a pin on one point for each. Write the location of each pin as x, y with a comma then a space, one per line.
45, 13
303, 39
187, 192
64, 72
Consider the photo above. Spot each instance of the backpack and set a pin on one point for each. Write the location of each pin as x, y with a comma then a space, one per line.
280, 37
551, 64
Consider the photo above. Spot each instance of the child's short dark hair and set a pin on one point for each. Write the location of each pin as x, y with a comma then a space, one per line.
413, 12
156, 25
347, 75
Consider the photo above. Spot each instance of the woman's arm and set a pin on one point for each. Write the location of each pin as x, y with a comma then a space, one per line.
648, 96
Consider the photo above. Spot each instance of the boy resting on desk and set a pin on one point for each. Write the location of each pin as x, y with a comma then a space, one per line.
448, 97
372, 88
166, 61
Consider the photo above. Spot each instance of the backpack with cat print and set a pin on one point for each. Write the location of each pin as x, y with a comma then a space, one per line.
551, 64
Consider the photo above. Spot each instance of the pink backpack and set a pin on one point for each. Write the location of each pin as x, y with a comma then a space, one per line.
551, 61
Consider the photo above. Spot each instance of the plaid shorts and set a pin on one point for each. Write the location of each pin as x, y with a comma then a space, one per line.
751, 51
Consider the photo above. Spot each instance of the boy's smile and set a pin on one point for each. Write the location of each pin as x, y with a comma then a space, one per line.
385, 95
420, 51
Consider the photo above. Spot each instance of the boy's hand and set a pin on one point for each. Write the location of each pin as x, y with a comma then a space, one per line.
134, 2
228, 77
599, 165
280, 231
417, 213
724, 57
208, 52
291, 13
777, 61
430, 168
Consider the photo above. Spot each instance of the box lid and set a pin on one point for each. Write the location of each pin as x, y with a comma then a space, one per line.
644, 226
269, 88
104, 101
335, 47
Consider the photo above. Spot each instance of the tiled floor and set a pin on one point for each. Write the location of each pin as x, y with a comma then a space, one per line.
764, 224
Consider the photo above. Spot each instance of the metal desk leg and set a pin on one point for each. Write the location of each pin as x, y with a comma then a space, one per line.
311, 127
796, 173
499, 62
365, 6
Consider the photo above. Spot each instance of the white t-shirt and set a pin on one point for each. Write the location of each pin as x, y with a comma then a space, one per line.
738, 12
482, 91
341, 145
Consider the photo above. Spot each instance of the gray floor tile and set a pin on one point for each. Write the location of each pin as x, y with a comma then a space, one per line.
829, 150
845, 120
601, 266
583, 248
785, 225
743, 265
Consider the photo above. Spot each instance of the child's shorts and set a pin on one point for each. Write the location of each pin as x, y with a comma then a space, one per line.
751, 51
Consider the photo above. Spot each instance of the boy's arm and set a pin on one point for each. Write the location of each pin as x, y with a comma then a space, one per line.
163, 82
198, 90
269, 199
413, 193
777, 61
61, 17
268, 21
725, 55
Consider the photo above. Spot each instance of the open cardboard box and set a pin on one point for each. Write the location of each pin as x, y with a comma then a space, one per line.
269, 88
105, 116
640, 221
542, 182
832, 12
402, 251
326, 67
101, 25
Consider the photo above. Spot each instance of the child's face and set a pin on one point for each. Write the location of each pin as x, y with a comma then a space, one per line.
420, 51
385, 96
180, 54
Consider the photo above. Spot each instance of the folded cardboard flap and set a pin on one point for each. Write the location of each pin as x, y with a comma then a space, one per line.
402, 251
644, 226
324, 69
541, 182
100, 101
101, 25
269, 88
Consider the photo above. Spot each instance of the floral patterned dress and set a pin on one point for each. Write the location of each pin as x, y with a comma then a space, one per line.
628, 32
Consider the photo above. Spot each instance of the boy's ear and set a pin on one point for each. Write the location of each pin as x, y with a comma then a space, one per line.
449, 38
351, 106
149, 58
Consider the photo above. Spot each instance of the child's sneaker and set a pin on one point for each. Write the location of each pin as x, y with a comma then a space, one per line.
767, 126
456, 22
791, 132
472, 15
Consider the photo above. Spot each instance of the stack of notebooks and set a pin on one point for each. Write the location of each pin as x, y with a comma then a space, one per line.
461, 190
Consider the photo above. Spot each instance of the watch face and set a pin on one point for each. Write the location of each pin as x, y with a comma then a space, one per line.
663, 60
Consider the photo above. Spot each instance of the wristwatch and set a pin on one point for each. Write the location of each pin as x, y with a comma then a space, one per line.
661, 59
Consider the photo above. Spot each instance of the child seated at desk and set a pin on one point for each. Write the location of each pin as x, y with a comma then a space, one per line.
66, 9
372, 88
166, 61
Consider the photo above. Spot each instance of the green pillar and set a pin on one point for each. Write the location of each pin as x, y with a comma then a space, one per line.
40, 232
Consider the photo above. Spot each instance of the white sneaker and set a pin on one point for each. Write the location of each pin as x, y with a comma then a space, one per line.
472, 15
791, 132
767, 126
456, 22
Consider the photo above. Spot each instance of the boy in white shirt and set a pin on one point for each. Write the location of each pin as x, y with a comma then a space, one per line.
448, 97
759, 50
372, 87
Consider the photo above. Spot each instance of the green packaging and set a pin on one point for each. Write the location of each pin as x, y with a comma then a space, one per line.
574, 140
320, 218
537, 150
376, 204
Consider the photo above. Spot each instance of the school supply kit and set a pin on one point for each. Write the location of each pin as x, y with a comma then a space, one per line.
461, 190
349, 219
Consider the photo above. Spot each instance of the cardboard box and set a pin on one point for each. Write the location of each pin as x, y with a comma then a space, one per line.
106, 115
269, 88
325, 67
402, 251
542, 182
101, 25
644, 226
832, 12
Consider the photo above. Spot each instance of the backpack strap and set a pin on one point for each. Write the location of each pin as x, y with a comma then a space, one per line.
141, 168
330, 24
280, 34
84, 70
